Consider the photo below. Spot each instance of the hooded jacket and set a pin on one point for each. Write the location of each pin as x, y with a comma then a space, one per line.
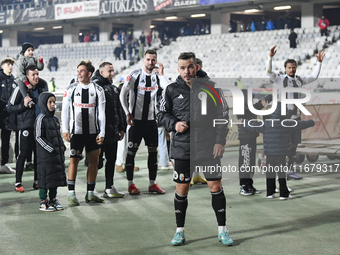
50, 147
115, 123
7, 87
174, 107
276, 137
25, 116
22, 63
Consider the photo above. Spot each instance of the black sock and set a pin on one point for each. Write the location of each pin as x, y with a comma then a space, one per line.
90, 186
152, 164
181, 204
71, 184
219, 204
130, 164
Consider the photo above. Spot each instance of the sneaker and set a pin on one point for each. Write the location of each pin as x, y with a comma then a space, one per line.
113, 192
244, 191
29, 167
56, 205
156, 189
199, 179
286, 198
272, 196
91, 197
255, 191
167, 167
35, 186
293, 176
119, 169
178, 239
19, 189
71, 197
133, 189
6, 169
135, 168
191, 182
46, 207
277, 190
225, 238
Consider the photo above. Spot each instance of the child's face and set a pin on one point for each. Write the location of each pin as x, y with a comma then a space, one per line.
51, 104
29, 52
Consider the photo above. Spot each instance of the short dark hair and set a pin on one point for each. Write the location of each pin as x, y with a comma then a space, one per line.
199, 62
105, 63
87, 64
292, 61
7, 60
152, 52
30, 68
187, 55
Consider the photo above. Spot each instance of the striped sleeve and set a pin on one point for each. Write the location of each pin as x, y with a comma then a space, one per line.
41, 141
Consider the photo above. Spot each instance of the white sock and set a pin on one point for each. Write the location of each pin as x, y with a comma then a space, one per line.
89, 192
180, 229
151, 182
220, 228
71, 191
129, 183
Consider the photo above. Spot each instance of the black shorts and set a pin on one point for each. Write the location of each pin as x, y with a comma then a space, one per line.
78, 142
146, 129
183, 170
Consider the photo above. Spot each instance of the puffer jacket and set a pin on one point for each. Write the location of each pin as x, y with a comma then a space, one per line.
115, 123
25, 116
276, 137
7, 87
174, 107
50, 147
22, 63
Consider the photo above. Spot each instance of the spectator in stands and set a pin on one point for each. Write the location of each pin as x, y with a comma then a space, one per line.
115, 36
123, 50
292, 39
94, 37
52, 86
262, 24
290, 22
297, 22
238, 83
187, 30
323, 24
6, 120
53, 63
149, 39
26, 115
280, 24
168, 34
113, 32
115, 125
252, 25
197, 29
87, 37
207, 29
142, 38
50, 154
117, 52
129, 50
270, 25
232, 26
129, 36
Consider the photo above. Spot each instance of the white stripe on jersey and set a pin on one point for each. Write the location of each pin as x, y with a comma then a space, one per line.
38, 134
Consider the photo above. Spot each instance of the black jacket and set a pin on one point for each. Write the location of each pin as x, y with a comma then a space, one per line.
7, 87
25, 116
50, 147
115, 123
276, 138
174, 107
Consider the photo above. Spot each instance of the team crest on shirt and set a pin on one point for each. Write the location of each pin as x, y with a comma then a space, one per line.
92, 94
153, 79
13, 86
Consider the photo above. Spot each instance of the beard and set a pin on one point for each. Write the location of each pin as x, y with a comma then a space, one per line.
149, 68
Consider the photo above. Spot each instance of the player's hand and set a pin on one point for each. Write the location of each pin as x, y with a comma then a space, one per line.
181, 126
264, 103
40, 57
129, 119
273, 51
27, 100
218, 150
321, 54
121, 135
160, 69
67, 136
99, 140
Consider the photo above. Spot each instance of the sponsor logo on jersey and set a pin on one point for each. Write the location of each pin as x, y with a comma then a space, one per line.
77, 95
65, 94
13, 86
84, 105
148, 88
92, 94
3, 85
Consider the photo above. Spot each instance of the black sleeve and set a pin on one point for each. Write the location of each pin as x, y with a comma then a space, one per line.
164, 116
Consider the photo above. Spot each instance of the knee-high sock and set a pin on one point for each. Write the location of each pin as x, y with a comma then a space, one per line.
181, 204
152, 164
130, 164
219, 204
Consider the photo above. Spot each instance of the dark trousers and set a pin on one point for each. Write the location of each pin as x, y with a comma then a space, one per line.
110, 151
323, 32
5, 138
275, 165
26, 144
246, 159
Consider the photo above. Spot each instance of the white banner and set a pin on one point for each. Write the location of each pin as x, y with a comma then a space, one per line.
77, 10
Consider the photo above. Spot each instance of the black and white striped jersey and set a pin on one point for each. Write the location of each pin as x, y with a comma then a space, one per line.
142, 96
83, 110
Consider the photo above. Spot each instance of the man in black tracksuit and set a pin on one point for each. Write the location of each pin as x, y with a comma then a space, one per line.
7, 87
174, 115
114, 128
26, 114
